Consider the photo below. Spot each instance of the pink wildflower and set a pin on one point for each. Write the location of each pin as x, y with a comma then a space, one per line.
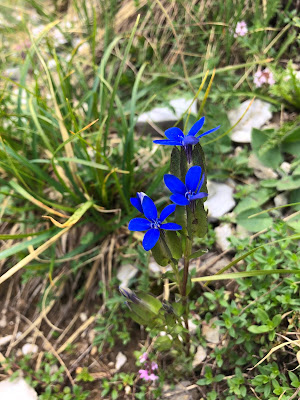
154, 366
241, 29
144, 374
265, 76
152, 377
143, 358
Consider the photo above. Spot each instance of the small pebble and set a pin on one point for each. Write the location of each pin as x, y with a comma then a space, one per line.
29, 348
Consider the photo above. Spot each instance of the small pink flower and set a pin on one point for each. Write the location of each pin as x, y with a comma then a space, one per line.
154, 366
263, 77
144, 374
152, 377
241, 29
143, 358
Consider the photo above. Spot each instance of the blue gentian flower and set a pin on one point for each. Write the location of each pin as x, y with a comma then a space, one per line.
153, 225
177, 138
185, 194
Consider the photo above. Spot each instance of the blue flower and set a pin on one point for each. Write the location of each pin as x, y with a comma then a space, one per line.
152, 224
184, 194
177, 138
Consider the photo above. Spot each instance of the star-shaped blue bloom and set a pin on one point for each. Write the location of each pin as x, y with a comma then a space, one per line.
177, 138
184, 194
152, 224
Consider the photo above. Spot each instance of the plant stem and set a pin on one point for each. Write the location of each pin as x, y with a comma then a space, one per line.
183, 291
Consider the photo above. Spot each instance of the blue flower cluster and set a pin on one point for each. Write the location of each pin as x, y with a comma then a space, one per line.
183, 194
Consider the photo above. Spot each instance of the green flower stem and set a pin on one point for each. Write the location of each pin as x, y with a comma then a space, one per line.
182, 285
187, 253
173, 262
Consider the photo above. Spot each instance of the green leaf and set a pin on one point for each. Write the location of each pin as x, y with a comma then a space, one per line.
262, 315
163, 343
289, 183
270, 157
259, 329
291, 142
151, 302
160, 254
254, 199
175, 162
276, 320
174, 243
255, 224
197, 254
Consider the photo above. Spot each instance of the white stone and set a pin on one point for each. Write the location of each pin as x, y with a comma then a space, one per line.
37, 30
163, 114
120, 360
3, 321
192, 327
280, 200
53, 369
223, 232
13, 73
52, 63
220, 199
17, 389
211, 334
260, 171
5, 339
125, 273
200, 356
29, 348
286, 167
156, 269
241, 232
58, 37
182, 391
258, 114
83, 317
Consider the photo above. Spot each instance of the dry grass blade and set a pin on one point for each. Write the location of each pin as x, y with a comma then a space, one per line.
33, 200
74, 218
296, 342
82, 328
178, 44
32, 256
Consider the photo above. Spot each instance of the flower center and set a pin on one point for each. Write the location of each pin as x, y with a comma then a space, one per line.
189, 194
156, 224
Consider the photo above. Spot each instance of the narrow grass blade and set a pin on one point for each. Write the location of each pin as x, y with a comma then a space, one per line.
246, 274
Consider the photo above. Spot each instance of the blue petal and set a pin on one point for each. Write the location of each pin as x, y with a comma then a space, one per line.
166, 212
136, 202
196, 127
190, 140
174, 133
171, 226
139, 224
149, 209
174, 184
201, 182
212, 130
199, 196
192, 178
150, 239
179, 199
168, 142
